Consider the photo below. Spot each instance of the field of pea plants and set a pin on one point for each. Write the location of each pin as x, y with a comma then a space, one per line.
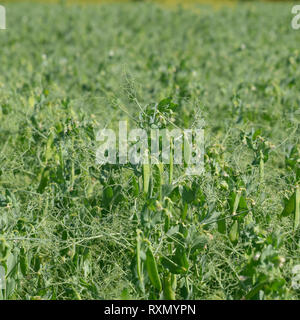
74, 229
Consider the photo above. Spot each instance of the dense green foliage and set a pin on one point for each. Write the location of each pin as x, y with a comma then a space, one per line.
71, 229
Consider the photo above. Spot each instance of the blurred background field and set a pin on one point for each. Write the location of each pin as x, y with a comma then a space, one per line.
167, 2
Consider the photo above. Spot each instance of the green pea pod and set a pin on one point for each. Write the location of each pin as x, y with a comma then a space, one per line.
289, 206
146, 177
36, 263
236, 198
174, 281
138, 257
292, 206
222, 226
171, 168
23, 262
135, 187
61, 159
48, 152
160, 169
262, 168
151, 267
234, 232
169, 293
181, 258
297, 208
167, 221
44, 180
4, 249
186, 151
